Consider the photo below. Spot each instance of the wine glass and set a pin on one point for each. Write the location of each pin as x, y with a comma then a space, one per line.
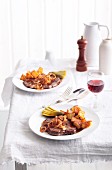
95, 84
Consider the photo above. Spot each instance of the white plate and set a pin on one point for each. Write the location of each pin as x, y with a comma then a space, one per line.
36, 120
19, 83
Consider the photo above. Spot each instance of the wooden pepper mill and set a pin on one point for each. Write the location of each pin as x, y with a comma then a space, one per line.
81, 62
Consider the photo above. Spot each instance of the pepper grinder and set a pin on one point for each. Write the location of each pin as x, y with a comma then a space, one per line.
81, 62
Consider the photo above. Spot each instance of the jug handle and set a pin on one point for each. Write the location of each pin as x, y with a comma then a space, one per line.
106, 28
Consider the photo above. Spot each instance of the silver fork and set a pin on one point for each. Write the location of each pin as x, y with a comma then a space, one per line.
62, 97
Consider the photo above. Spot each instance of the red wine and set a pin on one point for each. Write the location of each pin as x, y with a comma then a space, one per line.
95, 86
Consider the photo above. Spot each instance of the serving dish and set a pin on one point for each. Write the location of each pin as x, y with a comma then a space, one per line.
19, 83
36, 120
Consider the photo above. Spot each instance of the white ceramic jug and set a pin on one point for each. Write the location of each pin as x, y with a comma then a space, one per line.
105, 56
93, 36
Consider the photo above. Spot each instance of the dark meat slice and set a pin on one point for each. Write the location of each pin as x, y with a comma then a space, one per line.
41, 80
68, 129
60, 132
31, 83
39, 83
56, 82
56, 127
55, 131
47, 86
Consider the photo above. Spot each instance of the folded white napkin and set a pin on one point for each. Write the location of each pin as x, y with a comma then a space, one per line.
7, 91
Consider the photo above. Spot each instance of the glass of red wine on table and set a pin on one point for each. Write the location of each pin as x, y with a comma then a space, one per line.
95, 84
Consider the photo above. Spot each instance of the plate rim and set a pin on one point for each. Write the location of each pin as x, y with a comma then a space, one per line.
64, 81
70, 137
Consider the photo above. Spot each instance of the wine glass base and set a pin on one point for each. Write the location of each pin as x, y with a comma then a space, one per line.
95, 105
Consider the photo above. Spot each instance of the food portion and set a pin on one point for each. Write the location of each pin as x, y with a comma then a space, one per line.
66, 123
50, 112
37, 79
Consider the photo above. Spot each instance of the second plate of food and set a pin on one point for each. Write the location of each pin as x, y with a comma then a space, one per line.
65, 127
40, 80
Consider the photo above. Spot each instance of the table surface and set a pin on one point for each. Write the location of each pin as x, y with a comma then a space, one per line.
23, 146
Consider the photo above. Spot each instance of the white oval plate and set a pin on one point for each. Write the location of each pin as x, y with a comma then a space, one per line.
36, 120
19, 83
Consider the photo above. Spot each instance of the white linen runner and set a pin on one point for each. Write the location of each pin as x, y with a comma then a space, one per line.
23, 146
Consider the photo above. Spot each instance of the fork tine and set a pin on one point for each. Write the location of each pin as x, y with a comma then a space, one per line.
66, 92
64, 96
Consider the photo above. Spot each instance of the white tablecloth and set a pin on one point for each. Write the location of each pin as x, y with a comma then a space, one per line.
23, 146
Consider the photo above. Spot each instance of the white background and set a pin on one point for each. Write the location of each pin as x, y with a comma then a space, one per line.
29, 28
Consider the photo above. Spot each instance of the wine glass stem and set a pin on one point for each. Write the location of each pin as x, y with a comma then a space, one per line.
96, 101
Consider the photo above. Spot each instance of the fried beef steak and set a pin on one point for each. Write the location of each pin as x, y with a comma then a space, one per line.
58, 127
39, 83
70, 122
